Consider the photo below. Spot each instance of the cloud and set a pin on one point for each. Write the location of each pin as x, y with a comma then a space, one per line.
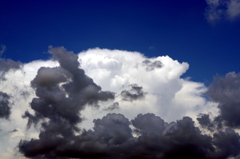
164, 92
134, 93
225, 91
8, 65
111, 137
63, 102
17, 86
149, 123
220, 9
64, 93
70, 109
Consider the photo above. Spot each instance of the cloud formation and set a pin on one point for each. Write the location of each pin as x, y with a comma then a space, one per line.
159, 83
222, 9
63, 102
112, 137
153, 112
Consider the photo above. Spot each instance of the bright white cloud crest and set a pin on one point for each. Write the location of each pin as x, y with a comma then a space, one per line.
166, 93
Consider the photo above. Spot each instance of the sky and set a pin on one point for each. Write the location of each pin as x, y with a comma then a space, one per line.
120, 79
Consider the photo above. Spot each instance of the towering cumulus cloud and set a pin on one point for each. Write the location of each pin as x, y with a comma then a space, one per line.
66, 99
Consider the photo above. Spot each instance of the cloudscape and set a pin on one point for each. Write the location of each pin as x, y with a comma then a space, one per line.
100, 92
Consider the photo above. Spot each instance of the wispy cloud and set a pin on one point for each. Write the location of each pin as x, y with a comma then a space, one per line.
3, 49
222, 10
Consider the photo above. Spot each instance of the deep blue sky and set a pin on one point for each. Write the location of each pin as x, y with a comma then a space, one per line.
173, 27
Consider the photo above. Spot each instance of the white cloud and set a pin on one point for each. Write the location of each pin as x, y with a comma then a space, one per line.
168, 95
221, 9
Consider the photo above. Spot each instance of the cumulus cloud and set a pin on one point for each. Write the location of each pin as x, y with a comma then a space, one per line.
222, 9
104, 103
158, 83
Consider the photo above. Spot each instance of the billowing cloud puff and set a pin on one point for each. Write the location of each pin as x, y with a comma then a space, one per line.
156, 83
226, 91
222, 9
112, 137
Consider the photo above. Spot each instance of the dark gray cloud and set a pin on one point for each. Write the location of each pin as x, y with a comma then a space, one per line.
149, 123
62, 92
134, 93
5, 109
226, 91
205, 121
112, 137
151, 65
227, 143
57, 140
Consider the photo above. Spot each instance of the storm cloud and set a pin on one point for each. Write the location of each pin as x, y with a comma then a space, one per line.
112, 137
226, 91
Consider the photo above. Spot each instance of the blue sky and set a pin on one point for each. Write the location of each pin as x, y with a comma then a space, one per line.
136, 52
175, 28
